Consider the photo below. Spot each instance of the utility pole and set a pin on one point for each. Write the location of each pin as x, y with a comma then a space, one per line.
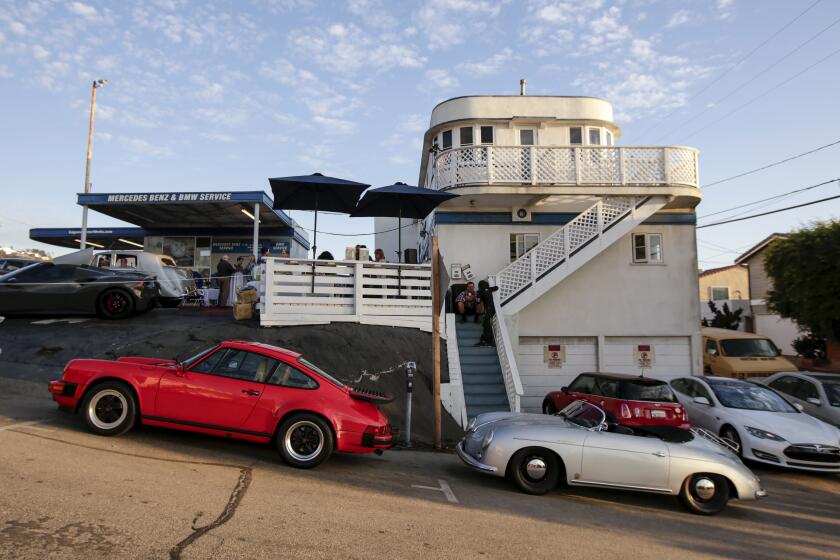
436, 305
96, 85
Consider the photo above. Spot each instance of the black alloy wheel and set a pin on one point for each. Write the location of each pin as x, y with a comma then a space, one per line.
115, 304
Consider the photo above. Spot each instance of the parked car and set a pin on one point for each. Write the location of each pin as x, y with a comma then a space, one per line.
739, 354
8, 264
173, 281
817, 393
627, 399
58, 289
579, 447
238, 389
763, 424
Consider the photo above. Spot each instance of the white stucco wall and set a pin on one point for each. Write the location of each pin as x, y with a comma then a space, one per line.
781, 331
506, 106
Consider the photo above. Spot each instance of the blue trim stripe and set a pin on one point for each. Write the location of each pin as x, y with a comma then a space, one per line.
548, 218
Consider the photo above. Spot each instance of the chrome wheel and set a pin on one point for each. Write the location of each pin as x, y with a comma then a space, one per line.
704, 488
107, 409
535, 469
304, 440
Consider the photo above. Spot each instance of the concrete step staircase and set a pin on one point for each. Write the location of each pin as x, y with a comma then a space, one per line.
481, 374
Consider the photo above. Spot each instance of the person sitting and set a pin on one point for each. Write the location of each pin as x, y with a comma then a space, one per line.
326, 256
379, 256
103, 262
469, 303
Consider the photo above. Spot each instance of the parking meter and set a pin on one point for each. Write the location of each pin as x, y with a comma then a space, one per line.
410, 370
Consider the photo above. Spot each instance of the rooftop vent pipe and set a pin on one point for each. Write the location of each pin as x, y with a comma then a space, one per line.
522, 86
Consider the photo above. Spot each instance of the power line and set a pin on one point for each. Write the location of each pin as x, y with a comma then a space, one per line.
770, 212
782, 195
769, 165
717, 102
732, 67
766, 92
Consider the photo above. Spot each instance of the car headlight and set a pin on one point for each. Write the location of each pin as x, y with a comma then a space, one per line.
471, 425
488, 437
764, 434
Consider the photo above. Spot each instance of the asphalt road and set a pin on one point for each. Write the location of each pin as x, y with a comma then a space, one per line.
155, 493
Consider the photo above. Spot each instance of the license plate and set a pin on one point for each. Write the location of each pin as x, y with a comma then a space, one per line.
658, 414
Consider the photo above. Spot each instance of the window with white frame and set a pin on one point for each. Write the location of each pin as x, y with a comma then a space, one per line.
487, 136
446, 140
527, 137
465, 136
594, 136
521, 243
717, 293
576, 136
647, 248
609, 136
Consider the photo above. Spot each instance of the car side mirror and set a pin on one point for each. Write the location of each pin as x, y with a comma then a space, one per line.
798, 407
814, 401
702, 400
712, 351
180, 370
564, 389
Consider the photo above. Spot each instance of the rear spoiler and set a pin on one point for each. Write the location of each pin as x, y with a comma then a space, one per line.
369, 395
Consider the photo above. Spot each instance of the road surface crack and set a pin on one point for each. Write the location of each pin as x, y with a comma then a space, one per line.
246, 474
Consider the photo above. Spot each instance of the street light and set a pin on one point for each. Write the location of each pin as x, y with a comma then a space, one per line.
96, 85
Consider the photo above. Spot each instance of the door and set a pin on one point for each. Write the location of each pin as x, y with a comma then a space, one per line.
43, 288
218, 392
625, 460
802, 392
527, 137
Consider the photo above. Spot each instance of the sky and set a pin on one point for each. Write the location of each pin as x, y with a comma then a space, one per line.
223, 95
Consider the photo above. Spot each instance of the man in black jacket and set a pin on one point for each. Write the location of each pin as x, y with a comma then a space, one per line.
485, 293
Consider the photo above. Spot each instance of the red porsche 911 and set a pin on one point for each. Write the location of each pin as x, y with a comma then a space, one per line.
237, 389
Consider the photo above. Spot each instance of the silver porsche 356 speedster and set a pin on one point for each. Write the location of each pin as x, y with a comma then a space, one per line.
577, 446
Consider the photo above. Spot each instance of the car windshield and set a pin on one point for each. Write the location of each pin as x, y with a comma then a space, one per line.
321, 372
750, 397
832, 391
645, 390
193, 359
18, 271
749, 348
583, 414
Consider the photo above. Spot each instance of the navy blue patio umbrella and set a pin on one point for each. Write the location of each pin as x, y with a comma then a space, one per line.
400, 201
316, 192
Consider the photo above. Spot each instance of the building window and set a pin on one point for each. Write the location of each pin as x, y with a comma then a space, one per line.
446, 141
594, 136
647, 248
576, 136
486, 134
526, 137
718, 293
466, 136
609, 137
521, 243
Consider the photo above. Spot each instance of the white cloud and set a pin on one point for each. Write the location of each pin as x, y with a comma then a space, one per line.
219, 137
347, 49
678, 18
103, 136
17, 27
142, 149
373, 13
84, 10
489, 65
413, 123
447, 23
335, 126
233, 116
725, 9
5, 72
40, 52
207, 90
441, 78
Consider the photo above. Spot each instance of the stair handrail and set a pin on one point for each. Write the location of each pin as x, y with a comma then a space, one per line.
507, 359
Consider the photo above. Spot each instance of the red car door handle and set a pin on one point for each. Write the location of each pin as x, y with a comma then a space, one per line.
251, 392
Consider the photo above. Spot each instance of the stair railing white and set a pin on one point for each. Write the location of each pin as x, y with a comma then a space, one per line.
556, 248
507, 359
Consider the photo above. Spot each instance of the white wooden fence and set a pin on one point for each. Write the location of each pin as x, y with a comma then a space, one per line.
397, 295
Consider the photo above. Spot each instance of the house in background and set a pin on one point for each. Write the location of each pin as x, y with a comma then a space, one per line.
764, 322
591, 244
727, 284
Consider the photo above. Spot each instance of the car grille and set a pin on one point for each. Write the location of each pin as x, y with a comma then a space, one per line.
813, 453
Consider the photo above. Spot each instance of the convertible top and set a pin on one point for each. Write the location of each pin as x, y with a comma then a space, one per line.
670, 434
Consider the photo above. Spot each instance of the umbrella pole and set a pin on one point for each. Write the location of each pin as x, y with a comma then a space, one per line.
314, 244
399, 246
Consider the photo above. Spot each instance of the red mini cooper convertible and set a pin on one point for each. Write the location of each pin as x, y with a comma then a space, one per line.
237, 389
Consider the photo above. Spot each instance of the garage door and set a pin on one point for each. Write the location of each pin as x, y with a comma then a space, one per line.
670, 356
539, 377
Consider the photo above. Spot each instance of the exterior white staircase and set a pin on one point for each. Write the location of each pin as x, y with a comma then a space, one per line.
570, 247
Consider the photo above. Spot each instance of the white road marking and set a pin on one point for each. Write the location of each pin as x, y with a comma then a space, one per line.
51, 321
21, 424
444, 487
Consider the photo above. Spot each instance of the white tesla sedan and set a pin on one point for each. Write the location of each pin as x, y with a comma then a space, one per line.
766, 427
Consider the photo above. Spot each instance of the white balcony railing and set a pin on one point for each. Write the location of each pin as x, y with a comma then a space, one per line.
565, 165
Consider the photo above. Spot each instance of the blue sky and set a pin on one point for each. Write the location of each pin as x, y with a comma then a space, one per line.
214, 96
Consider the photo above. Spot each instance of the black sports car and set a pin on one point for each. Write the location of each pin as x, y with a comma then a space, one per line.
57, 289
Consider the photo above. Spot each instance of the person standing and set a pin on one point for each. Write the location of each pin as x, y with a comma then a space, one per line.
264, 253
225, 272
248, 269
485, 294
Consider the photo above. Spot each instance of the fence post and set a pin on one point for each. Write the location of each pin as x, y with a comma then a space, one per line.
577, 159
533, 158
621, 171
490, 174
358, 300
